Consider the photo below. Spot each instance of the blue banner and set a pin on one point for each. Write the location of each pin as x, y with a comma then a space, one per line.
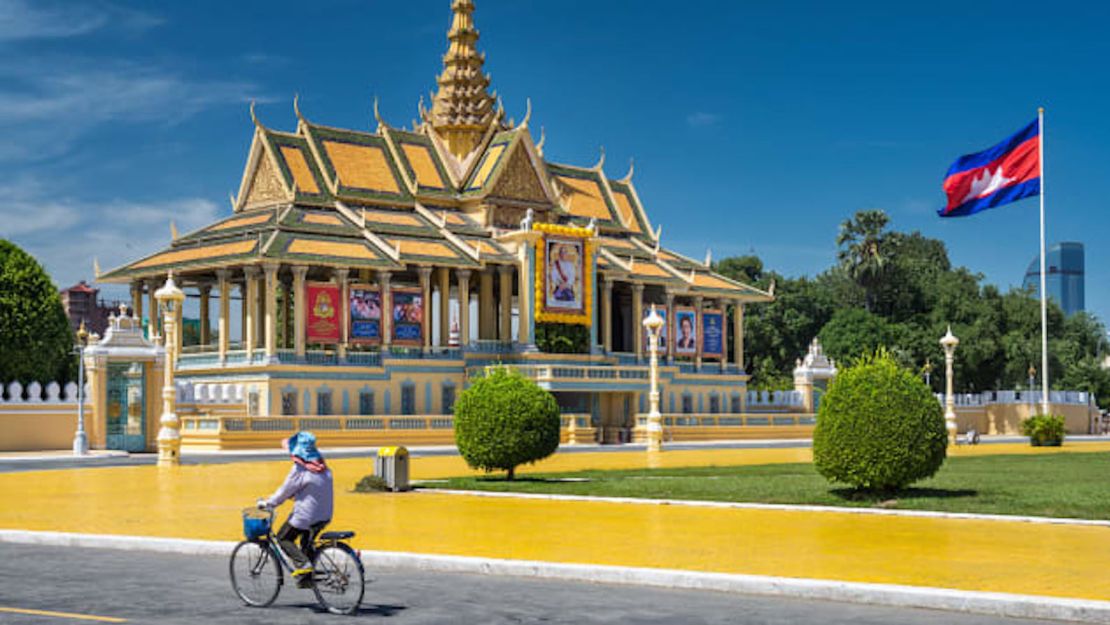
712, 333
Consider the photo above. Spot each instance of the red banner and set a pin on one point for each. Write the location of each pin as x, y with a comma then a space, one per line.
322, 317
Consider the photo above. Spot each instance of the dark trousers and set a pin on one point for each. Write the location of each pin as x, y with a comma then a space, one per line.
288, 536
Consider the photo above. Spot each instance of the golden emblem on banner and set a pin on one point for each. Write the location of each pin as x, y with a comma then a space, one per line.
322, 308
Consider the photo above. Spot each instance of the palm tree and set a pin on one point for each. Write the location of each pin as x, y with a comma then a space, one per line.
865, 250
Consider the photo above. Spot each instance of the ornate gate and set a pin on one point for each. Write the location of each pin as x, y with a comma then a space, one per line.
126, 422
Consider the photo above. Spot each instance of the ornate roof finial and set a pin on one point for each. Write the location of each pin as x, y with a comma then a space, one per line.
462, 108
173, 231
539, 144
631, 170
378, 116
527, 113
709, 257
601, 159
254, 118
96, 267
297, 108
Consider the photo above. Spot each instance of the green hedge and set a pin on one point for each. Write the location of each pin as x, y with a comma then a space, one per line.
879, 427
1044, 430
504, 420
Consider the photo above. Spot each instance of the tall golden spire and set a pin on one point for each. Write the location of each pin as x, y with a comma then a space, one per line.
462, 109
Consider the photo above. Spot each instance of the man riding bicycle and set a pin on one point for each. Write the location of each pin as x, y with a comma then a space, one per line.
309, 483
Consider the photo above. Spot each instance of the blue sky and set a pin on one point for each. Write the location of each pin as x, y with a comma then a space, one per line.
754, 125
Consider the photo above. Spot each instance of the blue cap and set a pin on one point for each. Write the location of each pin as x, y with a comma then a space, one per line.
303, 446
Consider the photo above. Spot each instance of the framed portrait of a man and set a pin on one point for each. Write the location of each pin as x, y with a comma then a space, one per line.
685, 331
564, 275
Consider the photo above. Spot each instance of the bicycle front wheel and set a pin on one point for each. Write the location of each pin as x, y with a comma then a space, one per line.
338, 579
255, 573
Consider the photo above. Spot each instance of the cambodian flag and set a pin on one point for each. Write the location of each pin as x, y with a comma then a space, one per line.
1007, 172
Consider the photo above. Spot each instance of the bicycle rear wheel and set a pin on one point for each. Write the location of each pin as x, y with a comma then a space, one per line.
255, 573
339, 579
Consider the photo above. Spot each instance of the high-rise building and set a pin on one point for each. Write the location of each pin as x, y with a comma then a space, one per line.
1065, 279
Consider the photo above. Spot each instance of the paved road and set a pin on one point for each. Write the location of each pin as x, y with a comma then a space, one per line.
169, 589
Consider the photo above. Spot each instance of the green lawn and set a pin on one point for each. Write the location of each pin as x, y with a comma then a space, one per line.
1073, 485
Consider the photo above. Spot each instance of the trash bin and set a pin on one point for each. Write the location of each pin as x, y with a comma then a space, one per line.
392, 465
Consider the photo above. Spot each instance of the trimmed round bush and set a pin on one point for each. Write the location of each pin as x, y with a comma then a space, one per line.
505, 420
879, 427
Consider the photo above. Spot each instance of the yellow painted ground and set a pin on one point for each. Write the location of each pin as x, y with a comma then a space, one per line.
204, 502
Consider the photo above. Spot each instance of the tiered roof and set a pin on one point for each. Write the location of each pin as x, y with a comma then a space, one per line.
394, 198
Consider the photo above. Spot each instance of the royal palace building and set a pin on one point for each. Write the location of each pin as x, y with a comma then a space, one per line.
381, 271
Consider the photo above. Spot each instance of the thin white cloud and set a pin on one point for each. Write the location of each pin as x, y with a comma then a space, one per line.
43, 19
702, 119
66, 234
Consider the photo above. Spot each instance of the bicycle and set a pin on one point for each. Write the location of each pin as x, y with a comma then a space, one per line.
258, 565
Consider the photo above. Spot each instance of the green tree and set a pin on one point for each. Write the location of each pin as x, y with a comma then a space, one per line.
505, 420
746, 269
853, 332
563, 338
36, 340
865, 250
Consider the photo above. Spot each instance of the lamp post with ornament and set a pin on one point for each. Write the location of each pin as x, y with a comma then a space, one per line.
653, 323
169, 436
80, 437
949, 343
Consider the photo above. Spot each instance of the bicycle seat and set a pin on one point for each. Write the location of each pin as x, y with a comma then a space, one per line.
335, 535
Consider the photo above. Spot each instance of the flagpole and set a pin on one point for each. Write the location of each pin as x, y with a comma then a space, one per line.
1044, 295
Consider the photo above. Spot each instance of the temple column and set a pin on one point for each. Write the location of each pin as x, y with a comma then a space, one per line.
386, 290
205, 301
443, 277
224, 323
637, 319
137, 301
506, 284
287, 315
259, 310
671, 329
607, 315
487, 312
344, 303
738, 334
722, 305
698, 327
152, 305
525, 306
250, 304
271, 271
242, 314
425, 274
463, 277
299, 273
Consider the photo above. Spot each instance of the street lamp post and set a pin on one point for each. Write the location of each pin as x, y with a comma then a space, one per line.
169, 436
928, 370
949, 343
1032, 378
653, 323
80, 438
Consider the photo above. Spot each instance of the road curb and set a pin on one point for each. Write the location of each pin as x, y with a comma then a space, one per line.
990, 603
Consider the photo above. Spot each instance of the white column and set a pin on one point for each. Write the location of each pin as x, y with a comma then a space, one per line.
299, 273
250, 302
607, 315
271, 271
443, 278
738, 334
638, 319
386, 288
223, 327
463, 276
344, 303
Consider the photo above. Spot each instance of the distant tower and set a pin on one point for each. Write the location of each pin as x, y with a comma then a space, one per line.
1065, 279
463, 108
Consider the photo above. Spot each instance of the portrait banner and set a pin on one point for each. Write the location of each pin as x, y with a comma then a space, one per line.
564, 274
408, 316
712, 334
663, 343
322, 314
685, 331
365, 306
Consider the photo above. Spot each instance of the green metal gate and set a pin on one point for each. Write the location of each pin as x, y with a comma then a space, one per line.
126, 423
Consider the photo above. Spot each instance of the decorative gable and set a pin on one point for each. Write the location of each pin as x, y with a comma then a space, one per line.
266, 188
520, 180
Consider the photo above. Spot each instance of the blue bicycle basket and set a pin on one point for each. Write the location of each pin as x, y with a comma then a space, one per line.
256, 523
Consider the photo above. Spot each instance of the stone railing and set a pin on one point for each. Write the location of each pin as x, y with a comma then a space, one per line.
730, 420
759, 401
986, 398
15, 393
